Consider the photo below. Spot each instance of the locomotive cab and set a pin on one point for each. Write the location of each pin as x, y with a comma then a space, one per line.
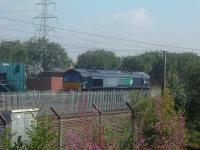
72, 80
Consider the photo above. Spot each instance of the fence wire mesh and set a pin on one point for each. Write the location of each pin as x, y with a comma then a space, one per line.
67, 102
80, 125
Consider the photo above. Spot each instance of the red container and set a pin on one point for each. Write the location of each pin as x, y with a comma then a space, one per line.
45, 84
56, 84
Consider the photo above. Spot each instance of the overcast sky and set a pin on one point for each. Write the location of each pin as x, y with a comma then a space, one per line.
138, 24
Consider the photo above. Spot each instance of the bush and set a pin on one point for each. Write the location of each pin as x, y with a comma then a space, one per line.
159, 126
40, 137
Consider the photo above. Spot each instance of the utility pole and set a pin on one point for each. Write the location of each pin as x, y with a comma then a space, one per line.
44, 16
164, 72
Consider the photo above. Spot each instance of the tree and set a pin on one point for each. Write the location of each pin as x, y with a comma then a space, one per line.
98, 59
150, 62
48, 55
178, 64
193, 94
180, 67
38, 54
13, 52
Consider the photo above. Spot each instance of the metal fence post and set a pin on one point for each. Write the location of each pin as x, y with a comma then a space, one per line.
73, 102
59, 127
133, 122
39, 99
100, 123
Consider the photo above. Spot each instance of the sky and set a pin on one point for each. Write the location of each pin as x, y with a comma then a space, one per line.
126, 27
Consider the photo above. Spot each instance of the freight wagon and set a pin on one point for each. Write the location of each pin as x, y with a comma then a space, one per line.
82, 79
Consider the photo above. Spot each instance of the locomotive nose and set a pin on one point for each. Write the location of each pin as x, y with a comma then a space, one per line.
71, 86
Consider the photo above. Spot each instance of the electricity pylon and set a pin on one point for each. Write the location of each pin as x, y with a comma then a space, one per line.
44, 17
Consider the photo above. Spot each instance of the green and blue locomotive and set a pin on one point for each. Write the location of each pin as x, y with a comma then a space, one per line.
82, 79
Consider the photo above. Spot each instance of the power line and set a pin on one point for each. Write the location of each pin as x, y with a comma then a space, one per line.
126, 40
93, 41
137, 41
88, 47
103, 26
16, 11
87, 26
50, 49
100, 42
38, 48
79, 39
16, 30
80, 18
108, 37
85, 19
17, 20
44, 48
110, 27
20, 25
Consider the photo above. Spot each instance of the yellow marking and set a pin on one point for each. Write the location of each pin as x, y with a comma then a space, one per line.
71, 86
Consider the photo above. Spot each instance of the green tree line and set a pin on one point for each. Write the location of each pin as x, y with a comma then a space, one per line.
37, 54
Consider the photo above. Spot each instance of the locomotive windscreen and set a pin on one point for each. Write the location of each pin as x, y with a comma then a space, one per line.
72, 77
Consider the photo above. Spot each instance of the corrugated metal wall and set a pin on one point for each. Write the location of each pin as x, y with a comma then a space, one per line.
15, 74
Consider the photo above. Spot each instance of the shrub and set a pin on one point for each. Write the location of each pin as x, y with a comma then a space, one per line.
40, 137
158, 125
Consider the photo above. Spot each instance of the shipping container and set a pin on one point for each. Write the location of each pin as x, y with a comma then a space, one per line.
12, 77
45, 84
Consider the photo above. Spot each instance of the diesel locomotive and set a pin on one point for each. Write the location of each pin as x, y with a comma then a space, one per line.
83, 79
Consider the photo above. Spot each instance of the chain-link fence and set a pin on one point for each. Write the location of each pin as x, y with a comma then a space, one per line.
92, 118
65, 103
